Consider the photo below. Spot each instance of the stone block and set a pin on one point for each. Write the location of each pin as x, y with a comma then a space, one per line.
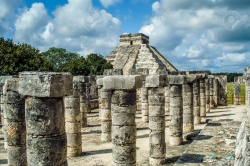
124, 98
156, 137
128, 82
16, 133
17, 155
12, 84
106, 126
156, 111
123, 119
124, 154
45, 84
157, 151
14, 112
123, 135
73, 128
44, 116
157, 123
177, 79
47, 150
2, 81
99, 81
156, 81
74, 140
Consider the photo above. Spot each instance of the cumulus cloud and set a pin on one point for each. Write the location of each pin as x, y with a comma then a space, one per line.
7, 15
193, 36
107, 3
76, 26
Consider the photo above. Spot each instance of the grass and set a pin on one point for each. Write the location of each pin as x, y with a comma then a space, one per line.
230, 93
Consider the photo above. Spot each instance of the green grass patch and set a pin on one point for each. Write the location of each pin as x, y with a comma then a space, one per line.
230, 93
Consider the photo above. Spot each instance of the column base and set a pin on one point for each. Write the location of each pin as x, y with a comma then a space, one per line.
187, 128
156, 162
145, 119
106, 137
175, 141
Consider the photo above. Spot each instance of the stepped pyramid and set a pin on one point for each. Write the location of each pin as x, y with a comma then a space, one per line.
135, 53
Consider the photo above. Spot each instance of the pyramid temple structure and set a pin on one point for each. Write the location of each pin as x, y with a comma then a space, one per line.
134, 52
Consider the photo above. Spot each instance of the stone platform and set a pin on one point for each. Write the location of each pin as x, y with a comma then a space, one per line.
215, 145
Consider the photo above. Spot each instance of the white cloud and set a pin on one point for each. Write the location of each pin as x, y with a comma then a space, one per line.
77, 26
7, 15
193, 37
156, 6
107, 3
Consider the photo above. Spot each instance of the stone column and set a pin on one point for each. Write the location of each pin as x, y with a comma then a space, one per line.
73, 120
99, 86
202, 98
84, 88
105, 111
196, 102
176, 109
2, 81
139, 99
2, 108
144, 104
14, 116
236, 93
167, 99
207, 95
45, 116
215, 92
123, 107
211, 84
188, 109
156, 101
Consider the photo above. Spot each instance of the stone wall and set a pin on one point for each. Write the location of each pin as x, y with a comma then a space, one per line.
242, 150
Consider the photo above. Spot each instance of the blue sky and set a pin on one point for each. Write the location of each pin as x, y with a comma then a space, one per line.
193, 35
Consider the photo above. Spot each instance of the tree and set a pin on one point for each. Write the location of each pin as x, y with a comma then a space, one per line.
93, 65
77, 67
97, 64
15, 58
230, 76
58, 57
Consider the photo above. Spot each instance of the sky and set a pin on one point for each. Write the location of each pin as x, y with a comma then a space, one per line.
192, 34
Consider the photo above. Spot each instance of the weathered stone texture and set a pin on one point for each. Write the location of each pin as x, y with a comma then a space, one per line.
45, 116
211, 84
236, 94
156, 102
14, 122
134, 53
207, 95
73, 121
196, 102
123, 107
188, 118
45, 84
202, 98
176, 115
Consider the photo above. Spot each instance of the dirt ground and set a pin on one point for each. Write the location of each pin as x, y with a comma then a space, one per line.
98, 153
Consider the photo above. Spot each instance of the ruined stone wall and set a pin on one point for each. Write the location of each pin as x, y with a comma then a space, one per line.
242, 150
222, 89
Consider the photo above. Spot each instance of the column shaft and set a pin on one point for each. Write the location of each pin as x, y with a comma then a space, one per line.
188, 118
176, 115
202, 98
207, 95
196, 102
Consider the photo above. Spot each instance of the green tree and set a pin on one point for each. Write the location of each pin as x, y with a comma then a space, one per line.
92, 65
15, 58
59, 57
230, 76
97, 64
77, 67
